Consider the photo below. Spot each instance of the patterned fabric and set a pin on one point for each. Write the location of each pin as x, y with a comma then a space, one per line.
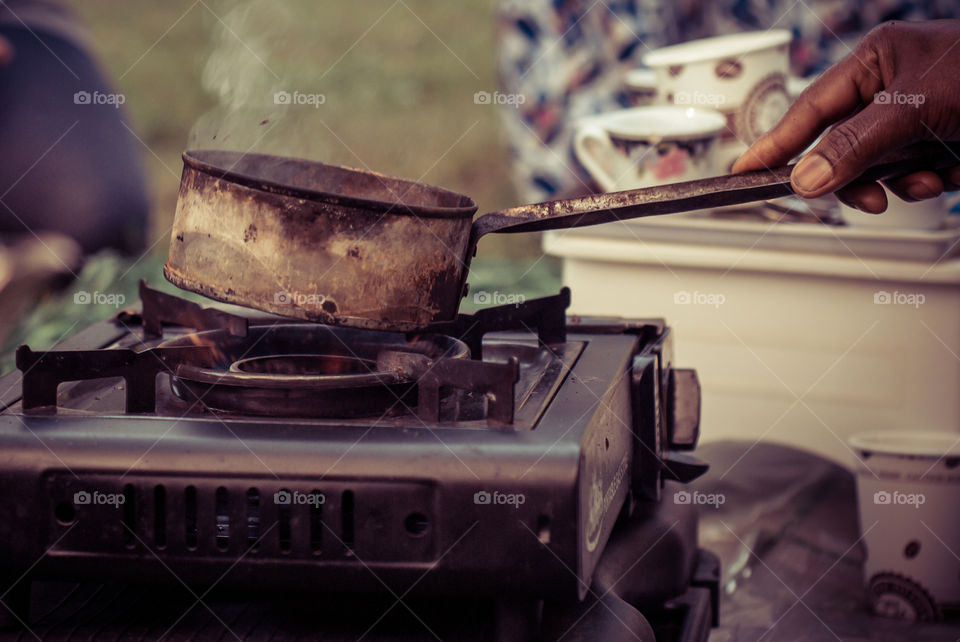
568, 59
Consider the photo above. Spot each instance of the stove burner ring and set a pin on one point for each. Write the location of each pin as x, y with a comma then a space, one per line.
239, 379
304, 364
308, 370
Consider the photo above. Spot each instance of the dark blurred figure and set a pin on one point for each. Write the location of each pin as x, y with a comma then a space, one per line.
68, 163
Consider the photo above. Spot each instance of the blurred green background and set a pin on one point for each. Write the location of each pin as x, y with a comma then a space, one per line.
397, 79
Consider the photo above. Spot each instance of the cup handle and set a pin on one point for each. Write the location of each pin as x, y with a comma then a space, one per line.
594, 134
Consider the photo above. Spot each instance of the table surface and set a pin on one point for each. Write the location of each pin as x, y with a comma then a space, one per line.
788, 537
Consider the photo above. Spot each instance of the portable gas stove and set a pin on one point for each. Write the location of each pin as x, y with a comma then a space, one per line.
515, 457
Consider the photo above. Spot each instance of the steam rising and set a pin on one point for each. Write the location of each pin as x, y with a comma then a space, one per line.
261, 50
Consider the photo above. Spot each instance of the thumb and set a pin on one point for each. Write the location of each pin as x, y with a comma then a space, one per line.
850, 147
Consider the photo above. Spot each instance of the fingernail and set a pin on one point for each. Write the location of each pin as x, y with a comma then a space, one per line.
812, 173
920, 191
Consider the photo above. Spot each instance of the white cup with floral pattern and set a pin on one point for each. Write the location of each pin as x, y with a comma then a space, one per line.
742, 75
646, 146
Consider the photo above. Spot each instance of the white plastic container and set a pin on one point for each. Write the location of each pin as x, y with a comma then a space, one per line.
793, 347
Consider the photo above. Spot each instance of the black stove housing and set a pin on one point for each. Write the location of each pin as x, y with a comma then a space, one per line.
464, 506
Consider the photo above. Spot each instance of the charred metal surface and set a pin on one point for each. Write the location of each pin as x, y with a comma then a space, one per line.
160, 308
318, 242
43, 372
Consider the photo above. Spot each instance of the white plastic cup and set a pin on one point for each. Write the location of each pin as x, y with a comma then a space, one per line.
908, 494
929, 214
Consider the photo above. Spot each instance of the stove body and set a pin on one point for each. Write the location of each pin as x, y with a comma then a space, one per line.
438, 495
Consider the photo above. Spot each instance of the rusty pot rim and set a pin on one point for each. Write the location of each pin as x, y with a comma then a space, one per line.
193, 158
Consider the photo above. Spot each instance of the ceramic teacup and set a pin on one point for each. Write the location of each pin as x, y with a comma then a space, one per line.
743, 75
646, 146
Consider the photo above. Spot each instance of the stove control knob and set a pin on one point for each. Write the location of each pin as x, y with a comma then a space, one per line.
683, 409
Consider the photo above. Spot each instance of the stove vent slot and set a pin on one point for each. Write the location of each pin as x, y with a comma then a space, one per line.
324, 522
223, 518
283, 520
253, 518
190, 517
316, 524
346, 516
160, 516
129, 515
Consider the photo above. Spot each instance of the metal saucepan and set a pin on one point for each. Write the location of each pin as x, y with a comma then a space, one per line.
355, 248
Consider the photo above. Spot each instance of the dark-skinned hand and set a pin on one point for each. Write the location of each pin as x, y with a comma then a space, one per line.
900, 86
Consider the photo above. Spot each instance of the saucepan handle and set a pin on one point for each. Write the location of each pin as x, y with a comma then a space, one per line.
731, 189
